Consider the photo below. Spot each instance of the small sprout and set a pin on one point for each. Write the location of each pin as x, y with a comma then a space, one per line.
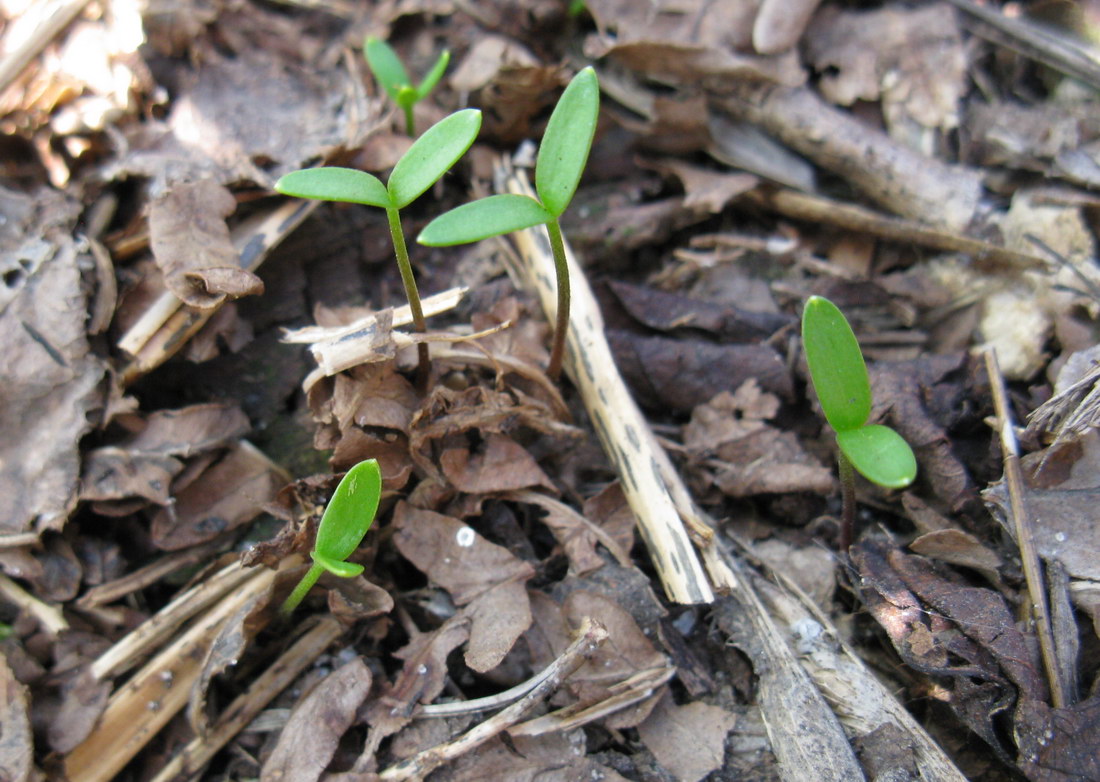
563, 154
394, 79
346, 520
428, 159
839, 376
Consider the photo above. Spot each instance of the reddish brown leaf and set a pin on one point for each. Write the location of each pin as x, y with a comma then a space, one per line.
500, 464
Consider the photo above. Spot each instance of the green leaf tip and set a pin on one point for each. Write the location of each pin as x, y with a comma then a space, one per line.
338, 567
332, 183
386, 66
477, 220
349, 513
880, 455
567, 141
435, 73
431, 155
837, 369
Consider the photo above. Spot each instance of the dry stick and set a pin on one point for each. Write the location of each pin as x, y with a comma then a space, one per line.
168, 323
19, 59
146, 575
590, 635
153, 632
1021, 521
1072, 57
897, 178
156, 693
818, 209
49, 616
278, 676
618, 422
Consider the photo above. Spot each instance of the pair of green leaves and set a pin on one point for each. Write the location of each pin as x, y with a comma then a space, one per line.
562, 156
428, 159
391, 74
347, 517
843, 387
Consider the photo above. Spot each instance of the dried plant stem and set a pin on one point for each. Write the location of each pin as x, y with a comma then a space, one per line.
1029, 557
590, 636
413, 295
561, 327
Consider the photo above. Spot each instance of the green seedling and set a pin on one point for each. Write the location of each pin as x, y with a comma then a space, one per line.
346, 520
419, 168
394, 78
839, 376
561, 160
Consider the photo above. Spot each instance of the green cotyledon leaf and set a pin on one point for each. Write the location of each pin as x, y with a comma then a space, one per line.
349, 513
432, 155
332, 183
879, 454
836, 364
386, 66
477, 220
564, 149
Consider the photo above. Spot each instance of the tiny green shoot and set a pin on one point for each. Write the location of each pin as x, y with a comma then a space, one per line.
839, 376
346, 519
428, 159
562, 156
394, 78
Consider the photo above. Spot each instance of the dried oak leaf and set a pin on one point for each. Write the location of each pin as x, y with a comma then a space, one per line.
47, 373
318, 721
230, 493
193, 248
687, 740
676, 375
486, 578
499, 464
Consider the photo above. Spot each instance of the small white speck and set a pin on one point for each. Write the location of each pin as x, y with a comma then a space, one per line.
422, 670
1060, 537
465, 537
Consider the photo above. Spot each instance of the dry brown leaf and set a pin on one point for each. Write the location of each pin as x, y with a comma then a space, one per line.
498, 618
913, 59
703, 187
231, 492
554, 757
499, 464
47, 373
17, 744
193, 248
959, 548
687, 740
310, 737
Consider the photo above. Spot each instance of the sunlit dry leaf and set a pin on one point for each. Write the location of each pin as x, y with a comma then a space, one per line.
704, 187
311, 735
687, 740
192, 246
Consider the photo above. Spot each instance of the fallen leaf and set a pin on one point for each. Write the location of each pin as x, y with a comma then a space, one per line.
48, 375
16, 738
193, 248
1058, 745
687, 740
499, 464
312, 734
230, 493
497, 619
704, 187
554, 757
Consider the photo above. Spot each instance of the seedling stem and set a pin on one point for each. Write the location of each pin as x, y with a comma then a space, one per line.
561, 269
411, 292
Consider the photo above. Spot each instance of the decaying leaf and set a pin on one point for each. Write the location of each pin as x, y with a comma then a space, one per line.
47, 373
16, 739
499, 465
192, 246
687, 740
311, 735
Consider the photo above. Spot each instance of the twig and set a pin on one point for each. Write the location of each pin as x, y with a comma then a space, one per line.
645, 470
49, 616
278, 676
19, 59
590, 636
1037, 593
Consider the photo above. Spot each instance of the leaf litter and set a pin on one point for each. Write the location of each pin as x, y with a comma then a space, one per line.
939, 200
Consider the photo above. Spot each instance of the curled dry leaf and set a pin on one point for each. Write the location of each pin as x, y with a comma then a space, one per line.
687, 740
193, 248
